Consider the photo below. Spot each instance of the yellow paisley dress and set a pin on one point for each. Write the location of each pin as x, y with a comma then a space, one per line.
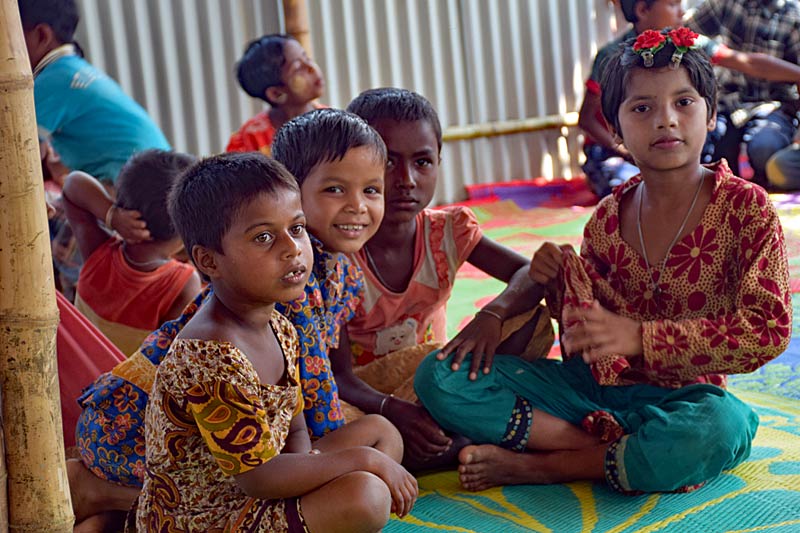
210, 418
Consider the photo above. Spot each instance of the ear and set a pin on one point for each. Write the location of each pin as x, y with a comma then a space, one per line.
39, 41
640, 9
712, 121
205, 260
277, 95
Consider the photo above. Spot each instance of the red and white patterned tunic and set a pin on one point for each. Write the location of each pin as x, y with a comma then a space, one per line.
723, 304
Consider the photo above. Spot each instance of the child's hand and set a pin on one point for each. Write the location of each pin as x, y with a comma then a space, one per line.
597, 332
402, 485
129, 224
422, 436
481, 337
546, 263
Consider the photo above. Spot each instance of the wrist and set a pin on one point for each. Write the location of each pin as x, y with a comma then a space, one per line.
109, 219
491, 312
385, 401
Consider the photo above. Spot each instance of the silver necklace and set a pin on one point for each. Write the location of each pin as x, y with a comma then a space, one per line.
147, 265
653, 286
377, 272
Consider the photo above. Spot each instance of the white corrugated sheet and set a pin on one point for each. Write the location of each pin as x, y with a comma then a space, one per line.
476, 60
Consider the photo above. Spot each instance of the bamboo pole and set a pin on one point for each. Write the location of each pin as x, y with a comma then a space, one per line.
295, 15
38, 490
508, 127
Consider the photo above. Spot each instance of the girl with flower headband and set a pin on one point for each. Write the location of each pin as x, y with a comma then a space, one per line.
609, 164
682, 279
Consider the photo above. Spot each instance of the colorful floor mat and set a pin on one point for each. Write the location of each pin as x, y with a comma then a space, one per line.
763, 494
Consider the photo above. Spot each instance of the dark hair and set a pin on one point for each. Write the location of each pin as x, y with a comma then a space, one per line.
261, 64
629, 9
401, 105
207, 198
144, 183
61, 15
321, 136
617, 71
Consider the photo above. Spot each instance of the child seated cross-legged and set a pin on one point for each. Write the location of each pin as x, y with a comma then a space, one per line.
128, 289
227, 445
682, 278
410, 266
275, 69
110, 435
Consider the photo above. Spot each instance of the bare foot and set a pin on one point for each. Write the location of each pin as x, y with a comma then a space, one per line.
78, 476
486, 466
92, 495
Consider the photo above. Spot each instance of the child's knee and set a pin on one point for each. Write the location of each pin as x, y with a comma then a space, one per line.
430, 379
369, 501
388, 437
715, 434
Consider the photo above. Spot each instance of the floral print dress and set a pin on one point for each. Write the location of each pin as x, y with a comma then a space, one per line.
208, 419
721, 303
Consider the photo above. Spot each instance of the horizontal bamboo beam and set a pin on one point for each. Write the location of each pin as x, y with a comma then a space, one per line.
509, 127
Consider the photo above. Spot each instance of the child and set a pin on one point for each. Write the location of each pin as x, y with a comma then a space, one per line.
94, 126
338, 160
110, 428
276, 69
127, 289
227, 445
682, 278
607, 160
410, 265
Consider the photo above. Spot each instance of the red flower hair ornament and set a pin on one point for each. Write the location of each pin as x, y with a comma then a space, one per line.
650, 42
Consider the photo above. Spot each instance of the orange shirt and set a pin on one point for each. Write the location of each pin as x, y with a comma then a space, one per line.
124, 303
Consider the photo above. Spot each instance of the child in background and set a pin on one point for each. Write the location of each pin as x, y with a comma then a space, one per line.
608, 162
94, 126
110, 429
227, 446
410, 266
276, 69
127, 289
682, 278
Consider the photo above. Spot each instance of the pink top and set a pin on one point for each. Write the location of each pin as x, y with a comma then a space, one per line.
387, 321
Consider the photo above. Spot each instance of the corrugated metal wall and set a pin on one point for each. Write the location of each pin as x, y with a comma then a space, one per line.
476, 60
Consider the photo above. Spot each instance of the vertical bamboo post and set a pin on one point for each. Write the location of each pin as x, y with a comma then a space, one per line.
295, 15
38, 490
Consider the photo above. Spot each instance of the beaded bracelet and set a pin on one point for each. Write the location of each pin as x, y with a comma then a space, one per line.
490, 313
383, 403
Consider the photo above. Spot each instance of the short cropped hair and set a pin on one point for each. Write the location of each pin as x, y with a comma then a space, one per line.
144, 183
629, 9
617, 71
401, 105
207, 198
261, 64
61, 15
322, 136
